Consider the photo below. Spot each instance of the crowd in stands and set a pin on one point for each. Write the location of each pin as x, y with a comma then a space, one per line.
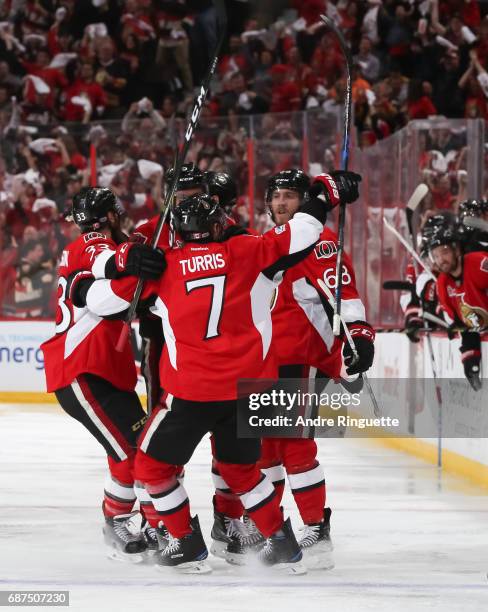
99, 90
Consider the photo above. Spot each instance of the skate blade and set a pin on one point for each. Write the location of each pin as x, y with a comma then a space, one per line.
192, 567
291, 569
134, 558
236, 559
218, 549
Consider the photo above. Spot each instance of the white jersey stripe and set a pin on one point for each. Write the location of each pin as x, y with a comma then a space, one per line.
98, 268
160, 309
97, 422
305, 230
101, 299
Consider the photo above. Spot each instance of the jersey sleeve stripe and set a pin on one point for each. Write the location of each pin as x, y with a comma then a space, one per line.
102, 301
305, 230
98, 268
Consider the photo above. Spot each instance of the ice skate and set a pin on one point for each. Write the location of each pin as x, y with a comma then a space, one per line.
316, 544
226, 531
282, 553
124, 542
187, 554
250, 542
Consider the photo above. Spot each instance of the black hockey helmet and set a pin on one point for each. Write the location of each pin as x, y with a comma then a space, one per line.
190, 177
193, 217
473, 208
432, 226
289, 179
91, 205
222, 185
442, 235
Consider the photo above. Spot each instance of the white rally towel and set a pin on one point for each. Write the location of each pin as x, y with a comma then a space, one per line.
147, 168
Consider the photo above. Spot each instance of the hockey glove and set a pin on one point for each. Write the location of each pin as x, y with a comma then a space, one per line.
363, 337
413, 322
336, 188
471, 358
134, 259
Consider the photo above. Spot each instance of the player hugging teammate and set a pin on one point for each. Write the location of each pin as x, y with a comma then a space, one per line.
456, 250
213, 300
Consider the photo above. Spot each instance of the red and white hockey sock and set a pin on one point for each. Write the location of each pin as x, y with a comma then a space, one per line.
225, 501
276, 473
168, 496
146, 505
257, 494
119, 495
308, 488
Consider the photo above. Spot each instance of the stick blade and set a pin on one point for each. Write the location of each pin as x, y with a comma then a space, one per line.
417, 196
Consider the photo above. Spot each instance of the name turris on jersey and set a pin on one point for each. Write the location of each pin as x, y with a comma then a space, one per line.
202, 263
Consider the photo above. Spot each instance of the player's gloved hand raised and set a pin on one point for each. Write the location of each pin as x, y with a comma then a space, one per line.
413, 323
336, 188
471, 358
134, 259
363, 336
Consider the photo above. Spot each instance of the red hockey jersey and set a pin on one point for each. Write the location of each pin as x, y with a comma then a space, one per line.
214, 301
84, 342
466, 299
302, 332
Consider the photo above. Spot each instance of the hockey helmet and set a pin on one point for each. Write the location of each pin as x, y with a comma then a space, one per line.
190, 177
193, 217
91, 205
222, 185
442, 235
432, 226
289, 179
473, 208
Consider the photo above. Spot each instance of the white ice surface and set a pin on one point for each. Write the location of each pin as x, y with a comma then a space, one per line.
404, 540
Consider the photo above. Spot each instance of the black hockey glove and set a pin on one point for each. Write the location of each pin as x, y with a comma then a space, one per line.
134, 259
363, 336
336, 188
471, 358
413, 322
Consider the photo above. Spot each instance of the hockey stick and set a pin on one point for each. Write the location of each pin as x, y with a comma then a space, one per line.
417, 196
476, 223
336, 322
408, 246
350, 341
180, 160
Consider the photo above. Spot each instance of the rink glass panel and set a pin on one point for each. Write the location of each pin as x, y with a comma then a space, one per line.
448, 155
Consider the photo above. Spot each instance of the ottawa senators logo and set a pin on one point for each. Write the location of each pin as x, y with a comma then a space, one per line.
474, 317
325, 249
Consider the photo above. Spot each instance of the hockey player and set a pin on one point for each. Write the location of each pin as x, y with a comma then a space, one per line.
462, 289
424, 299
92, 382
222, 188
233, 332
303, 337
